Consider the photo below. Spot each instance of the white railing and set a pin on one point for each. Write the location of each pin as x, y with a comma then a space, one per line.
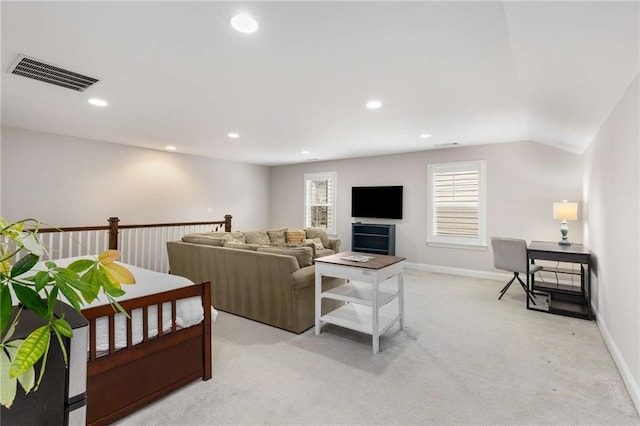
144, 246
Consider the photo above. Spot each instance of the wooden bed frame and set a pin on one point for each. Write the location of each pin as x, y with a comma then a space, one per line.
121, 381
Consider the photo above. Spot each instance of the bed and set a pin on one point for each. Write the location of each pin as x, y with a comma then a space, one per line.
131, 363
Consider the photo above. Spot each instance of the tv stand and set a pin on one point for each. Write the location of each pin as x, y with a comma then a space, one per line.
373, 238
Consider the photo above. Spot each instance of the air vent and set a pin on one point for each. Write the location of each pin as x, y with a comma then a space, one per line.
39, 70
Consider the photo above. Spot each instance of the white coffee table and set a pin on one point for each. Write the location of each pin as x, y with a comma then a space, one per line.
362, 292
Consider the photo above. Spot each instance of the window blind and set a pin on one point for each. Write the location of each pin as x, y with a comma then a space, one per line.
319, 202
456, 196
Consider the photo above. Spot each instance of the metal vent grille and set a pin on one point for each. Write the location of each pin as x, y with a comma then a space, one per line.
42, 71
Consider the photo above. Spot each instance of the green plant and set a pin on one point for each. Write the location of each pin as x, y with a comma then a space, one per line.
39, 290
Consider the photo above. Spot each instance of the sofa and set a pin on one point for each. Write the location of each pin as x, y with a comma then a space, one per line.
267, 276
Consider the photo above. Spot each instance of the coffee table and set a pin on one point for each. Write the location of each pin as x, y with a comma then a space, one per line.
363, 311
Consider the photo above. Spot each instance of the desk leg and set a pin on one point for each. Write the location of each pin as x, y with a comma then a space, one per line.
375, 332
528, 282
401, 299
318, 300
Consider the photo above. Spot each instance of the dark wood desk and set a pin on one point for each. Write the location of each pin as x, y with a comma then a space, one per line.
563, 299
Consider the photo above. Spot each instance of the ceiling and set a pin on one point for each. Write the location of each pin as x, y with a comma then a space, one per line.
176, 73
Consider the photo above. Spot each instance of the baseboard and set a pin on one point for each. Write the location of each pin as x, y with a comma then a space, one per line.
473, 273
627, 377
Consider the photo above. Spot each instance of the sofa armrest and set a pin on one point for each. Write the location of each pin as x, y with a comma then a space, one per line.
334, 244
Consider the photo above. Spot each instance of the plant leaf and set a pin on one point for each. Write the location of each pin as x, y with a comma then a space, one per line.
8, 384
51, 299
68, 293
24, 265
5, 306
31, 299
28, 379
42, 279
89, 291
63, 327
105, 282
81, 265
108, 256
119, 273
31, 350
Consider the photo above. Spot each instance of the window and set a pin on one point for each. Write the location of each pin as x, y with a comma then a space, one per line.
456, 212
320, 200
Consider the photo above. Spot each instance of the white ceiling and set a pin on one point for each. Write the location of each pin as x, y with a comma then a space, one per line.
176, 73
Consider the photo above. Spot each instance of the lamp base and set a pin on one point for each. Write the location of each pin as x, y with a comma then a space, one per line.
564, 243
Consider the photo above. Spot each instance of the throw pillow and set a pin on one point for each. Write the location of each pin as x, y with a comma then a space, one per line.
317, 243
230, 240
321, 233
278, 236
257, 237
304, 255
295, 237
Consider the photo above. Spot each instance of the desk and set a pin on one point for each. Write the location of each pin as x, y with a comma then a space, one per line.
362, 292
563, 299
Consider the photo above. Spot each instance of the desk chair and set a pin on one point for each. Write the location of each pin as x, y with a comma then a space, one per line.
510, 254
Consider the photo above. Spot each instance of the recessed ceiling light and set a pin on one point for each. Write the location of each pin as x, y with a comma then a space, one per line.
374, 104
233, 135
305, 152
425, 136
170, 148
98, 102
244, 23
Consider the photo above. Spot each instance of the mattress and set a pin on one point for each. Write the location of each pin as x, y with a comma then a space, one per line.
189, 311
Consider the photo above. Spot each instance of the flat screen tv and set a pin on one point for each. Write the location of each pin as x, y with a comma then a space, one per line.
384, 202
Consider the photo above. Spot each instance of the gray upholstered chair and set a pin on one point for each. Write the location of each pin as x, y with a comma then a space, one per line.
510, 254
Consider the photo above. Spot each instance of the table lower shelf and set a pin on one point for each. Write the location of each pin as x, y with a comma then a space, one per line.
360, 293
359, 318
561, 304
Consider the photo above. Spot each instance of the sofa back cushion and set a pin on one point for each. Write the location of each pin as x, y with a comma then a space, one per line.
295, 236
304, 255
205, 238
278, 236
257, 237
213, 238
312, 233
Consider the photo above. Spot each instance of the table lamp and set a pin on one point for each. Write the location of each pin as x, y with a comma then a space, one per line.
565, 211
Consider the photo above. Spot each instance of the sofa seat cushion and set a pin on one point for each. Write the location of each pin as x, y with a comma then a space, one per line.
324, 252
304, 255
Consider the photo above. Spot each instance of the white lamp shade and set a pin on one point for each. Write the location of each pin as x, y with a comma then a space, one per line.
565, 211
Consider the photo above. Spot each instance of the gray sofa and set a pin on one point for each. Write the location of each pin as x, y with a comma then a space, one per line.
273, 283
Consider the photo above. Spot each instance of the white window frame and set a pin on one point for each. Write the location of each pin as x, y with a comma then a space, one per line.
445, 240
333, 176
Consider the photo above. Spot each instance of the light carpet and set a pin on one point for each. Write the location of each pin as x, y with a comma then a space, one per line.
464, 357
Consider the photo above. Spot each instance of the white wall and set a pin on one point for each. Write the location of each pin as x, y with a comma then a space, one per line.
67, 181
612, 232
524, 179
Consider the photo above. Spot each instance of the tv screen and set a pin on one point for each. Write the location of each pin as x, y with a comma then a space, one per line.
384, 202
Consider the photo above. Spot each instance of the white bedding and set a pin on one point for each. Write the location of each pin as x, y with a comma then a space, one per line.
188, 311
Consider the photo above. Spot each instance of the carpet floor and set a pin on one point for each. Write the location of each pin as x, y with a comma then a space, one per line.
464, 358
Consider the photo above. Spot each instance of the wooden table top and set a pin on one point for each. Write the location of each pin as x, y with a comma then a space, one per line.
379, 261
